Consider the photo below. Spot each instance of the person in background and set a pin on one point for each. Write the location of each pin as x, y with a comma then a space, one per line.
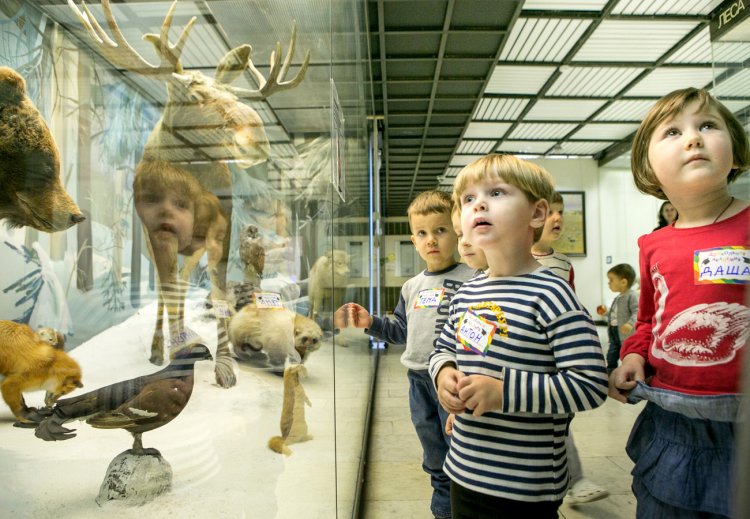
517, 356
686, 354
542, 250
667, 215
621, 315
582, 489
423, 309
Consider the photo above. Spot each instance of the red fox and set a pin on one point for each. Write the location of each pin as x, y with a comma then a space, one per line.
28, 362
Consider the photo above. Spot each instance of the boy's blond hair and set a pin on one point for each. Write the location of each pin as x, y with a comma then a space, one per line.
668, 107
535, 182
430, 202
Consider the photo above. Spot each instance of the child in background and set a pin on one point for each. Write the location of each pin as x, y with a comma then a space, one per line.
518, 355
423, 306
582, 489
621, 315
542, 250
693, 321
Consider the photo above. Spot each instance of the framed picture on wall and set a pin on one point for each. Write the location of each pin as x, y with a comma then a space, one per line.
572, 241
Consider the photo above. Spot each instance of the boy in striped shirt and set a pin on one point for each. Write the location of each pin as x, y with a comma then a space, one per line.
518, 355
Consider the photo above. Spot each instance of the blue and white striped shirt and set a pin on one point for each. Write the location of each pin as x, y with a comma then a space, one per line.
548, 350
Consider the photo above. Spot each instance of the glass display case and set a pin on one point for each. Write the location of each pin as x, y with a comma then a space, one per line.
185, 193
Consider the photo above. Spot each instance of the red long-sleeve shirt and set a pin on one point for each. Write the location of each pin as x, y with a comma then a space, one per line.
692, 320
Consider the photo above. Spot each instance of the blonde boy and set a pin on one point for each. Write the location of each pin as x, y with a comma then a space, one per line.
518, 354
423, 305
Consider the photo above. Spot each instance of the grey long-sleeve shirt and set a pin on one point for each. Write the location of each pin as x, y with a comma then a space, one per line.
422, 312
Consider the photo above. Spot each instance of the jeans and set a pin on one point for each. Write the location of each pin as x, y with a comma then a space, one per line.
613, 352
429, 419
468, 504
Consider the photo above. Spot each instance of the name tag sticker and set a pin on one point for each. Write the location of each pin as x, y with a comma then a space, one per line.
221, 308
475, 333
727, 265
268, 300
429, 298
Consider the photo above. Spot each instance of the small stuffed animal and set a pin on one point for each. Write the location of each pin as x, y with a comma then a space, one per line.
293, 423
278, 332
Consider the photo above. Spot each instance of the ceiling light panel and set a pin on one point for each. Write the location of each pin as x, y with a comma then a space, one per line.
735, 86
581, 148
512, 79
463, 160
541, 131
605, 131
564, 5
534, 147
542, 39
697, 50
562, 110
632, 40
625, 110
651, 7
592, 81
499, 109
731, 52
663, 80
734, 106
452, 172
482, 130
469, 147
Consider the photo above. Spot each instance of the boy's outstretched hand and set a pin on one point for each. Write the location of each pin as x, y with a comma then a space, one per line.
623, 379
481, 393
352, 314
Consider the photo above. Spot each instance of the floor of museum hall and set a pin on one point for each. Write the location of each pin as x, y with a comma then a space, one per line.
396, 486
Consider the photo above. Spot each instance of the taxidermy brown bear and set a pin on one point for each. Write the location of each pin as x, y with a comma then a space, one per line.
29, 362
31, 192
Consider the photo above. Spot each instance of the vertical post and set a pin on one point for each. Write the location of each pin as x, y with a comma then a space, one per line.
85, 266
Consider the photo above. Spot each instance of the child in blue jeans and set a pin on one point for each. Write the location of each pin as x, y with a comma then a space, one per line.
423, 306
621, 315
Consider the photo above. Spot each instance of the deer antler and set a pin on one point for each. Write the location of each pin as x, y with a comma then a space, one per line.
275, 81
119, 52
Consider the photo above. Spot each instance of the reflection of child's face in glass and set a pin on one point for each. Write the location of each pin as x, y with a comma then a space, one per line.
217, 231
472, 256
167, 216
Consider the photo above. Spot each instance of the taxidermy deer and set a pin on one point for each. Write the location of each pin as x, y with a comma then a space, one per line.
204, 126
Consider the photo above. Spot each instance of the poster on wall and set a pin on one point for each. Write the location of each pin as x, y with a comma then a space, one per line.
572, 241
337, 143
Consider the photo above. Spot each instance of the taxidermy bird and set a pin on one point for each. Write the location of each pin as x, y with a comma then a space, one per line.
252, 254
136, 405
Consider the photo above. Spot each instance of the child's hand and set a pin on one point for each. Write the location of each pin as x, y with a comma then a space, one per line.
481, 393
352, 314
623, 379
449, 424
626, 328
447, 389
